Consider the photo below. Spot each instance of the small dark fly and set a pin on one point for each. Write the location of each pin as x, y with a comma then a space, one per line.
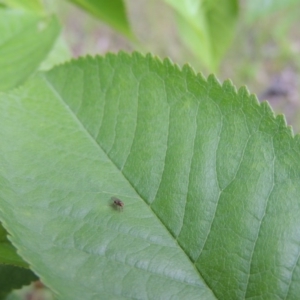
117, 203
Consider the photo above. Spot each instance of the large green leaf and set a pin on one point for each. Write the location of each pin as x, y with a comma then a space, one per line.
25, 40
207, 27
208, 176
111, 12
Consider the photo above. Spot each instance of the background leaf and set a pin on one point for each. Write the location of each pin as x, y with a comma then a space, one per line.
59, 54
25, 40
207, 27
111, 12
29, 5
12, 277
208, 176
8, 254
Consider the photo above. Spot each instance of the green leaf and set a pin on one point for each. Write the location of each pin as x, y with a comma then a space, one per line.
207, 27
59, 54
8, 254
257, 8
110, 12
25, 40
12, 277
209, 179
29, 5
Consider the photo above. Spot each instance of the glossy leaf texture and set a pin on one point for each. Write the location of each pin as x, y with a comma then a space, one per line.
209, 179
25, 40
111, 12
206, 27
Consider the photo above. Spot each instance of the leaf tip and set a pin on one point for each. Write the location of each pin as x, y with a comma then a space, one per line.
266, 107
244, 92
229, 86
281, 121
212, 80
187, 68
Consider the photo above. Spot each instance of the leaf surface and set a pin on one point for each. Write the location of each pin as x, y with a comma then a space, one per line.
208, 177
25, 40
29, 5
59, 54
111, 12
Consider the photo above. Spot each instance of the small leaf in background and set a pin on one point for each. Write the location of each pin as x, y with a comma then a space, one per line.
110, 12
25, 41
29, 5
12, 278
209, 179
8, 254
207, 27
